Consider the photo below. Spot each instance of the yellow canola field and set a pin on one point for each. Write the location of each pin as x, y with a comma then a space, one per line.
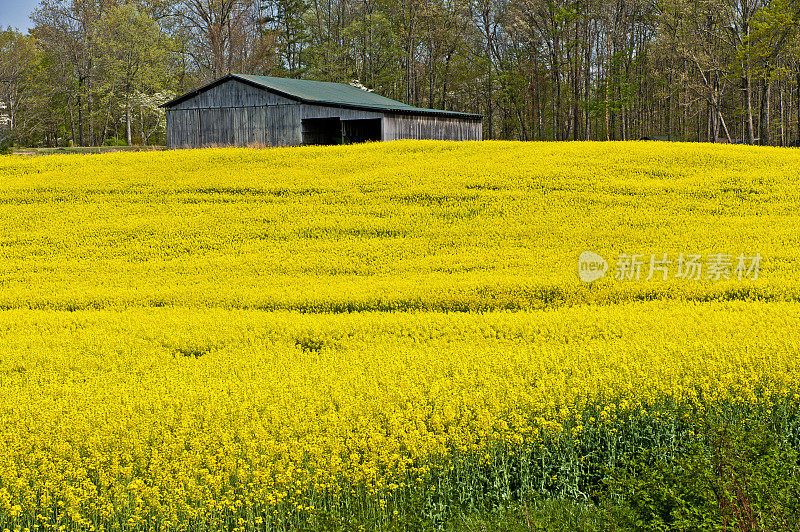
246, 339
390, 226
174, 417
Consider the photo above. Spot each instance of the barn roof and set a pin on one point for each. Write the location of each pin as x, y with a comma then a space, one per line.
324, 93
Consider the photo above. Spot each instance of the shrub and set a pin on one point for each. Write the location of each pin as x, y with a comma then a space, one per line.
735, 475
115, 142
6, 143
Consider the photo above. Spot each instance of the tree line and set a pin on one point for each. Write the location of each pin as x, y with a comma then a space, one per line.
93, 72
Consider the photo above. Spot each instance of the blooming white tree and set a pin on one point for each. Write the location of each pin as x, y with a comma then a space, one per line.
152, 116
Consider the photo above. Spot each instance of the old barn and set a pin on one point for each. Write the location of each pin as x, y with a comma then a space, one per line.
246, 110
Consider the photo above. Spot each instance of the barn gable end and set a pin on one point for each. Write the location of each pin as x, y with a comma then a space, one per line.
232, 93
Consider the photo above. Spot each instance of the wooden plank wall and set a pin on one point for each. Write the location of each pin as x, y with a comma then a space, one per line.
326, 111
270, 125
397, 127
233, 93
234, 113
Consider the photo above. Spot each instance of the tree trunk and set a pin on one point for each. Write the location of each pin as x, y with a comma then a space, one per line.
540, 106
763, 114
797, 107
608, 111
144, 130
128, 120
576, 57
80, 111
72, 123
587, 84
606, 88
489, 104
90, 108
668, 117
750, 130
783, 125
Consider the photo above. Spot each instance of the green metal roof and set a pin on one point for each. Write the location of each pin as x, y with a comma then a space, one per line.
325, 93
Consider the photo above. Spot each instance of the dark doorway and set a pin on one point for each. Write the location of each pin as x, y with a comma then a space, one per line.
363, 130
322, 131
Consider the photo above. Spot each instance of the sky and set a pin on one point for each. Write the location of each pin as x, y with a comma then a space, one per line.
15, 13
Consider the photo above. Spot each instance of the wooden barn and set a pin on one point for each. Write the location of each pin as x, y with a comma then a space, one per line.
246, 110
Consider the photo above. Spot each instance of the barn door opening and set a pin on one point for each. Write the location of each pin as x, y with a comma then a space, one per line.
322, 131
362, 130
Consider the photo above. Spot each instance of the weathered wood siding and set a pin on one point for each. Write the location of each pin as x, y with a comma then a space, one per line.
183, 128
234, 113
271, 125
396, 126
233, 93
325, 111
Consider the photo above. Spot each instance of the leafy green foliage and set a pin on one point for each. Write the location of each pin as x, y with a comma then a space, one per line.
735, 475
114, 142
6, 143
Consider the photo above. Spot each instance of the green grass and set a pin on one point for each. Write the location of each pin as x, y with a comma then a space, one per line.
536, 516
82, 150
